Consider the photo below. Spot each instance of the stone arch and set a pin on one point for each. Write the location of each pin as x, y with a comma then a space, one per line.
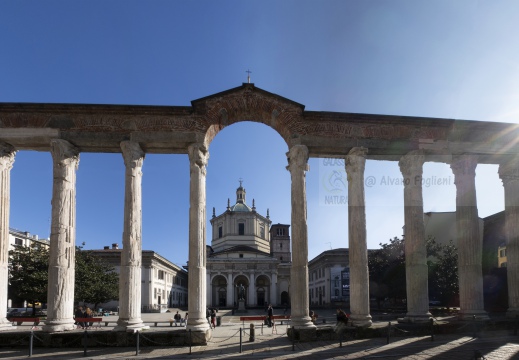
241, 279
218, 291
250, 104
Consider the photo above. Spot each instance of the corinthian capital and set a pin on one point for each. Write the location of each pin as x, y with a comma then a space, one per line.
356, 160
198, 155
411, 164
132, 154
297, 158
64, 153
464, 165
7, 153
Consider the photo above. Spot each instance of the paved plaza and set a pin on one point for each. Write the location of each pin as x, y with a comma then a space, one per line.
274, 344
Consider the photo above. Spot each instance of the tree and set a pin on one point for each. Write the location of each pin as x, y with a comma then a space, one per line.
96, 280
28, 273
443, 273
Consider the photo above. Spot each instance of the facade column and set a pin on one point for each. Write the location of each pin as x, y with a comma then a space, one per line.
7, 153
230, 297
416, 269
509, 174
251, 301
470, 243
62, 253
273, 292
298, 165
359, 274
197, 283
131, 254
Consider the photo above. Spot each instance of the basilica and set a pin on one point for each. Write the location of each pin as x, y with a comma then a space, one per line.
247, 250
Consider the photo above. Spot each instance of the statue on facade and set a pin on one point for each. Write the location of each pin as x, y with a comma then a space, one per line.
241, 292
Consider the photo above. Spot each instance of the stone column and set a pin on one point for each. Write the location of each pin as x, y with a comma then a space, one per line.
230, 298
298, 165
6, 163
131, 255
470, 243
251, 298
62, 254
509, 174
359, 274
197, 287
415, 249
273, 292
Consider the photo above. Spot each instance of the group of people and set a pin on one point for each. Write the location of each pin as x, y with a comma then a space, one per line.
87, 313
211, 317
178, 319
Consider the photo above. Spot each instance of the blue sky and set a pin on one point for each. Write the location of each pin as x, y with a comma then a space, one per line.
450, 59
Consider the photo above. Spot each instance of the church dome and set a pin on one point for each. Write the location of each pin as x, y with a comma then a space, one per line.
240, 207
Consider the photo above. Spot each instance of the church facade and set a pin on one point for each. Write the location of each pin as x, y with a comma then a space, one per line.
247, 250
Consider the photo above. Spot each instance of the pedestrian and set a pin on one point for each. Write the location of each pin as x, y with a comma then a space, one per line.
270, 314
208, 316
88, 314
177, 318
79, 314
185, 320
342, 320
285, 310
213, 318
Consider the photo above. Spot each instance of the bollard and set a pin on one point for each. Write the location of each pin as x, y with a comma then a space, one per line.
85, 343
137, 344
388, 331
261, 328
252, 334
30, 343
240, 340
293, 338
474, 335
190, 341
432, 329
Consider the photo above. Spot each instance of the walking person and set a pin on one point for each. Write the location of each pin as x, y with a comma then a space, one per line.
213, 318
270, 314
177, 318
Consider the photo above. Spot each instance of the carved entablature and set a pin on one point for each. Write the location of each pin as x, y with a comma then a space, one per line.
240, 266
262, 266
218, 266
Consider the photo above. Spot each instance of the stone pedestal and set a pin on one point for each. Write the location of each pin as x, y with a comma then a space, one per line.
241, 306
6, 163
359, 274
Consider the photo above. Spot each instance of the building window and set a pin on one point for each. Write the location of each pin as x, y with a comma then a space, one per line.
220, 231
161, 275
282, 258
280, 231
18, 241
241, 255
262, 232
281, 246
502, 253
241, 229
503, 264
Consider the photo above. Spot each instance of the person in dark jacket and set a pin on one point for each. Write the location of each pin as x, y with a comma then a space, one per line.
270, 313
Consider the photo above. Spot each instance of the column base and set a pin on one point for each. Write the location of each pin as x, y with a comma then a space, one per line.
416, 318
6, 325
200, 325
132, 325
302, 323
360, 320
470, 314
58, 325
512, 312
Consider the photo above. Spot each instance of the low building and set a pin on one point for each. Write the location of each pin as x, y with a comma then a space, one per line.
164, 284
329, 279
25, 238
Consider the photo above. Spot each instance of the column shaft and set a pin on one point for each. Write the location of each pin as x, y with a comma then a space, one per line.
509, 174
131, 254
62, 255
415, 246
470, 243
358, 249
197, 287
298, 165
7, 154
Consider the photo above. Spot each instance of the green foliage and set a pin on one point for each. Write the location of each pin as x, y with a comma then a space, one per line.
96, 281
388, 277
28, 273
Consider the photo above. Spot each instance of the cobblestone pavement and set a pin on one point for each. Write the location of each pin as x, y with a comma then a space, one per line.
268, 344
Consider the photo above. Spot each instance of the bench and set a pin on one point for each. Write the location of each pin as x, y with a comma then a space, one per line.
263, 318
20, 320
96, 321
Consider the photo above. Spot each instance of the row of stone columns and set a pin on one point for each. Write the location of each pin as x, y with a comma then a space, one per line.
62, 252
